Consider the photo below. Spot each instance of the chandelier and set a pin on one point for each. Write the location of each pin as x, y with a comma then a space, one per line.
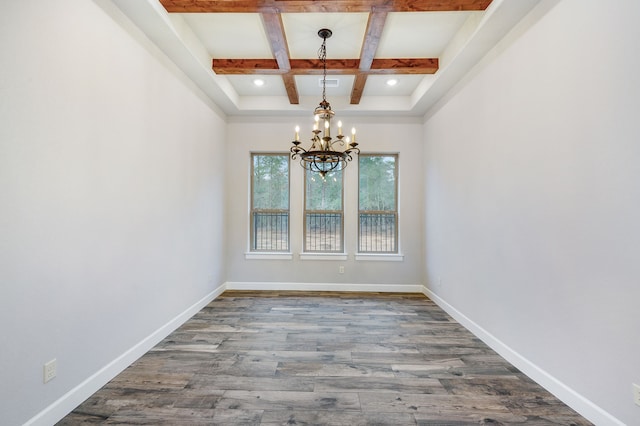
325, 153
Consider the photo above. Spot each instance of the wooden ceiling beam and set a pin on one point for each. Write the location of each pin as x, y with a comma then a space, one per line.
358, 88
291, 88
246, 66
375, 25
404, 66
314, 66
334, 66
311, 6
278, 40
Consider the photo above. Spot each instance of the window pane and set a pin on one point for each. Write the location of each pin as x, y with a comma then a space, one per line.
270, 202
377, 183
377, 204
323, 193
270, 182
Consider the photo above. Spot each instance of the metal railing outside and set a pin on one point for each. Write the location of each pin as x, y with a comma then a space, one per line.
270, 231
323, 232
378, 233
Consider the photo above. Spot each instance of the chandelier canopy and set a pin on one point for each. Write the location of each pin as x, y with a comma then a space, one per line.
325, 153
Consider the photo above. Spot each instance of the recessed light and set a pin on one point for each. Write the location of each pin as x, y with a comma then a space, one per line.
392, 82
258, 82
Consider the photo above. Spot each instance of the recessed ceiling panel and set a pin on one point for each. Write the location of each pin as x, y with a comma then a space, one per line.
302, 34
419, 34
231, 35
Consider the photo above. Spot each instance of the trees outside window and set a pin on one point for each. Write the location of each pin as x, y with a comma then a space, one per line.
269, 202
378, 203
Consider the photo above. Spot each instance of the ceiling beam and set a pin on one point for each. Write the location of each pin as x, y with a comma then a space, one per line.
358, 88
272, 22
291, 88
315, 67
277, 39
334, 66
375, 25
311, 6
404, 66
246, 66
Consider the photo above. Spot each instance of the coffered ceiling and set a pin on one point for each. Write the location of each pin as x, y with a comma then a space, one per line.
423, 46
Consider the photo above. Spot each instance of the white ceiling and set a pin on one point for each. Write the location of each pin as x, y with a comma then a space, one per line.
458, 39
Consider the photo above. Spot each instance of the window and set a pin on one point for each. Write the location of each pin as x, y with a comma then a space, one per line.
323, 213
269, 202
378, 203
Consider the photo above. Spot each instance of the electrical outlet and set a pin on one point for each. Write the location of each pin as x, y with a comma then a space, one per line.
341, 269
636, 394
50, 370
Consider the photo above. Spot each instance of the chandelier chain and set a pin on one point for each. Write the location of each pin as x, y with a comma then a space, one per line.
322, 55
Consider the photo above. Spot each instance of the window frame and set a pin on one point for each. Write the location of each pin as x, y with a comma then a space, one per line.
252, 210
394, 213
306, 212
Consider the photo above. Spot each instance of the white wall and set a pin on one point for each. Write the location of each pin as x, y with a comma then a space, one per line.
533, 201
111, 195
402, 136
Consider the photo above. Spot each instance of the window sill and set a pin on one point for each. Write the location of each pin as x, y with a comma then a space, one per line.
323, 256
392, 257
255, 255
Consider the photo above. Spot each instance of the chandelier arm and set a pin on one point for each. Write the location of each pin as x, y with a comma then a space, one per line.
338, 141
296, 151
354, 150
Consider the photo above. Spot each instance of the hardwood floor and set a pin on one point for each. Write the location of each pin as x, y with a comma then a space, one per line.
288, 358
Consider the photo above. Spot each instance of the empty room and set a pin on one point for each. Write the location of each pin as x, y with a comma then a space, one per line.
345, 212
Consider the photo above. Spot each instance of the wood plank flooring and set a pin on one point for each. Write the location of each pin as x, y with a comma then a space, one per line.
293, 358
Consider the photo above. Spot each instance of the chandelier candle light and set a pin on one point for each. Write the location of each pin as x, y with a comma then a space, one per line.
322, 156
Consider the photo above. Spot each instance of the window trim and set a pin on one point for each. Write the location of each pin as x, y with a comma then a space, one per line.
268, 255
314, 255
380, 257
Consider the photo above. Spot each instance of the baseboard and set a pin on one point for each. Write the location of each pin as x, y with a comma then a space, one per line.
371, 288
65, 404
573, 399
